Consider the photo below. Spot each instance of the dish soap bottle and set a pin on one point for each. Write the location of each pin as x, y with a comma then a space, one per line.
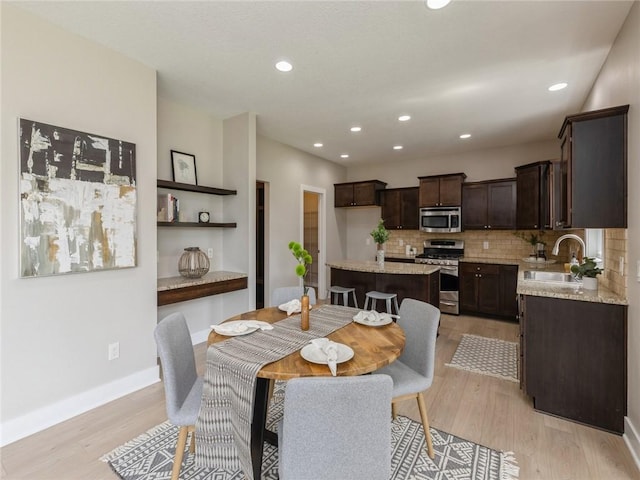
574, 260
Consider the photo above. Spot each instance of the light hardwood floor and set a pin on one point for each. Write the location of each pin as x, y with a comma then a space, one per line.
483, 409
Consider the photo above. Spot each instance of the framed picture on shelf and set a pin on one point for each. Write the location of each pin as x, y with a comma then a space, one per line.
184, 167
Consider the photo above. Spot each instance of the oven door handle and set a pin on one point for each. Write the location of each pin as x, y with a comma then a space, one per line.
449, 269
448, 304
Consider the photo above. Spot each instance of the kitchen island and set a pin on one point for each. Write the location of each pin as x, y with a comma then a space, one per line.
412, 280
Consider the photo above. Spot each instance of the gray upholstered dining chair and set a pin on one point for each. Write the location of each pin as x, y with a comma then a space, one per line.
336, 428
286, 294
412, 373
182, 386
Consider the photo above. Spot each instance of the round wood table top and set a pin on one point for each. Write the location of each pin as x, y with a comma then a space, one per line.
374, 347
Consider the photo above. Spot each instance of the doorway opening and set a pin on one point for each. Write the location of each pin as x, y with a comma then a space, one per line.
313, 236
260, 243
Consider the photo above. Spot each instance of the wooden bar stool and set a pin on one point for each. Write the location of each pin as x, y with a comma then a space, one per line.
335, 292
374, 296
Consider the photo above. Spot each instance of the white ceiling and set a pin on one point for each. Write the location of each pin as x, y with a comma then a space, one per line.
475, 66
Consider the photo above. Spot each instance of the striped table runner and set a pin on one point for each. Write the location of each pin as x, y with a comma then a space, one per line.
223, 428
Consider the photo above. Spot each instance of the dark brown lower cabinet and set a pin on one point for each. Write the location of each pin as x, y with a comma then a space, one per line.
488, 289
420, 287
574, 359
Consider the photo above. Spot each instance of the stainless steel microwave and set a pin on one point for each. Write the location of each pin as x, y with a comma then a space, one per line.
440, 219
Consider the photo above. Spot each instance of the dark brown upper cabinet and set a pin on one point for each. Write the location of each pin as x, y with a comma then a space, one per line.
590, 182
489, 205
533, 189
358, 194
400, 208
441, 190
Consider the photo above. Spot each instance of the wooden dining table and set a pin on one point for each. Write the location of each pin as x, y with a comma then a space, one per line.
373, 347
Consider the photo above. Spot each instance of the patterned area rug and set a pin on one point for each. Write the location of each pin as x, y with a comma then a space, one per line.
488, 356
150, 456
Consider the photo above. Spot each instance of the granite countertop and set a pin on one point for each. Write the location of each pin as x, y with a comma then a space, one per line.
567, 292
389, 267
553, 290
171, 283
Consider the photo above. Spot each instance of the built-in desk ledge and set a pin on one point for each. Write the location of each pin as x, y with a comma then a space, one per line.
389, 267
180, 289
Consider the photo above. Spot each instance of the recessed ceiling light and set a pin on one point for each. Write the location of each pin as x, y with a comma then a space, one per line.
344, 155
317, 145
557, 86
404, 118
356, 129
436, 4
465, 135
284, 66
397, 147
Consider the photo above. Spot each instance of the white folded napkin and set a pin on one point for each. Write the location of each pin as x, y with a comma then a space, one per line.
239, 327
330, 349
371, 316
293, 306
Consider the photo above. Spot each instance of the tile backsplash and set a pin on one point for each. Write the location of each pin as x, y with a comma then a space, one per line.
503, 245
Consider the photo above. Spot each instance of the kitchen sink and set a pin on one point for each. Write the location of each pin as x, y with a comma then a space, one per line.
541, 276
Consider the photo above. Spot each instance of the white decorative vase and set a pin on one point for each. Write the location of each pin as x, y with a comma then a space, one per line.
380, 258
590, 283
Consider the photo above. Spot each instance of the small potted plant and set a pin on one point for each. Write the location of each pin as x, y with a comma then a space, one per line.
587, 271
304, 260
380, 236
536, 242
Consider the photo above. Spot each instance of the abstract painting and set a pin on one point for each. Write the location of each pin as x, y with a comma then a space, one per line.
77, 201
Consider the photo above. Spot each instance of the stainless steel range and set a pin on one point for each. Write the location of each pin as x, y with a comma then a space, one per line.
445, 253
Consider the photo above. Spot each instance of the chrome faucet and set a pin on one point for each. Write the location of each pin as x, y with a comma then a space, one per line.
556, 247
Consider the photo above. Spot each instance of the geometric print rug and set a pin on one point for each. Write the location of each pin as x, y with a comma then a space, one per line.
488, 356
150, 456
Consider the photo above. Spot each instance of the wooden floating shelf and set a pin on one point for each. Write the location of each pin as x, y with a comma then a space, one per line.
185, 187
175, 295
198, 224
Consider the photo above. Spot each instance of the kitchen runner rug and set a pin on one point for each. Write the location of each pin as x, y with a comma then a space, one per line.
488, 356
150, 456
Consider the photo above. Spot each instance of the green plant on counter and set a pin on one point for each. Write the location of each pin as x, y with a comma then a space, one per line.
532, 238
380, 234
304, 260
587, 268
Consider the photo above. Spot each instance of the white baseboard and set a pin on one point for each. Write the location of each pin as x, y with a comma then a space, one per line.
632, 439
38, 420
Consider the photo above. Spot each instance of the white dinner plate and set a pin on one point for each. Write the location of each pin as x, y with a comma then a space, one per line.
313, 354
235, 328
385, 321
283, 308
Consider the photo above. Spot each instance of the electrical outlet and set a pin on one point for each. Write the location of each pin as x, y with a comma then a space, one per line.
210, 252
114, 350
485, 245
369, 242
401, 242
621, 265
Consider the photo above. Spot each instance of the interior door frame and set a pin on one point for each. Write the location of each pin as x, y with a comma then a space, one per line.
322, 232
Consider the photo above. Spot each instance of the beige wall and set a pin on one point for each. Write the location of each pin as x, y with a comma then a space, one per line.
478, 165
56, 330
619, 83
285, 170
191, 131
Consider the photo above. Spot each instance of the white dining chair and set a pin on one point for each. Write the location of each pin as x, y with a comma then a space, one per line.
336, 428
412, 372
182, 386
